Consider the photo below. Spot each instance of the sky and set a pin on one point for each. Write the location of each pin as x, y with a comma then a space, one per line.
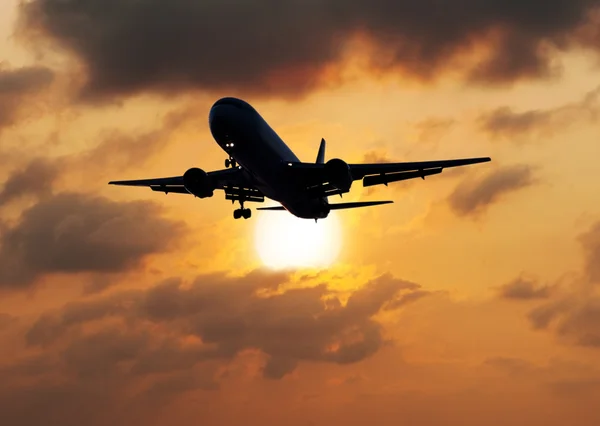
472, 300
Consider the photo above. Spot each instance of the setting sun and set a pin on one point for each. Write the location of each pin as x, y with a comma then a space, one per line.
284, 241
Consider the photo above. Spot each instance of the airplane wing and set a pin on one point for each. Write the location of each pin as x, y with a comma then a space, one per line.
375, 174
359, 171
233, 181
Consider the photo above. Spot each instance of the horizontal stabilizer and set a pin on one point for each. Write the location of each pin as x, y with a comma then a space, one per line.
279, 208
342, 206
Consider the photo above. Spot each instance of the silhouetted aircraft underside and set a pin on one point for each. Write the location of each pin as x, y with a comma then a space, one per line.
260, 165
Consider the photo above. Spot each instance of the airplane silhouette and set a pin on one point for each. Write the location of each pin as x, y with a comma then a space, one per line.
261, 165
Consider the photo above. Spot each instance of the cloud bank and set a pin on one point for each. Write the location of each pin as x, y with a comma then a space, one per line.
267, 48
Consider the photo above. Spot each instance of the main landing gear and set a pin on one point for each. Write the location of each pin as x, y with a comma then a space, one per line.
239, 213
230, 162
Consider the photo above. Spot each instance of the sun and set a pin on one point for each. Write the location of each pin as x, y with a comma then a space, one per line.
284, 241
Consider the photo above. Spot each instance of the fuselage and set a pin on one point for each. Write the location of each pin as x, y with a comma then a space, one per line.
263, 156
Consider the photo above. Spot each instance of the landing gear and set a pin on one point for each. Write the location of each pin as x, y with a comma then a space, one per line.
239, 213
230, 162
242, 212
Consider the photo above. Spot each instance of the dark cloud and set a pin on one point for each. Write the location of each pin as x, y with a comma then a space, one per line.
524, 289
472, 197
264, 48
37, 179
575, 318
119, 358
591, 245
16, 88
70, 233
505, 123
229, 316
24, 80
575, 314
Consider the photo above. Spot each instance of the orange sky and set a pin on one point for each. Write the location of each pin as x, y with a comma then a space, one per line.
472, 300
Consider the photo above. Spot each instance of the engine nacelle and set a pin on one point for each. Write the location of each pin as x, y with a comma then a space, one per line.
338, 174
197, 182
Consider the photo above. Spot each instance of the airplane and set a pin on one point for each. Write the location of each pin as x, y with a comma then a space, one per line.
260, 165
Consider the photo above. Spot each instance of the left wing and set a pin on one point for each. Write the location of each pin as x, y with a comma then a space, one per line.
375, 174
338, 206
359, 171
233, 181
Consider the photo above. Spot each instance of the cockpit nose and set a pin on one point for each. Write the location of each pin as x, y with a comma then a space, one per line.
234, 102
226, 110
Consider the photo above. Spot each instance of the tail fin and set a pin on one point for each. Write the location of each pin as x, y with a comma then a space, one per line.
321, 154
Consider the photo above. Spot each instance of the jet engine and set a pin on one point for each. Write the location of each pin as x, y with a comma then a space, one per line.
197, 182
338, 174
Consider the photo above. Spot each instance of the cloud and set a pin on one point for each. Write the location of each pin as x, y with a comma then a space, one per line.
575, 318
377, 157
70, 233
591, 245
107, 358
17, 86
575, 315
24, 80
505, 123
262, 48
433, 129
229, 316
472, 197
523, 289
144, 355
116, 151
37, 179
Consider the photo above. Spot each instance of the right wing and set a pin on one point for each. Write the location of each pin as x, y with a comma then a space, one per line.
233, 181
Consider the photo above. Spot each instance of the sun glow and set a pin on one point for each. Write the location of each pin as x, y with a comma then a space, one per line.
284, 241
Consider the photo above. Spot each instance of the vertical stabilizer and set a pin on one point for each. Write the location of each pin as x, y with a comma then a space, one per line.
321, 154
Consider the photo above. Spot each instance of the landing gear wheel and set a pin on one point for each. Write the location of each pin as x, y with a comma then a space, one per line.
247, 213
230, 162
237, 213
227, 163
